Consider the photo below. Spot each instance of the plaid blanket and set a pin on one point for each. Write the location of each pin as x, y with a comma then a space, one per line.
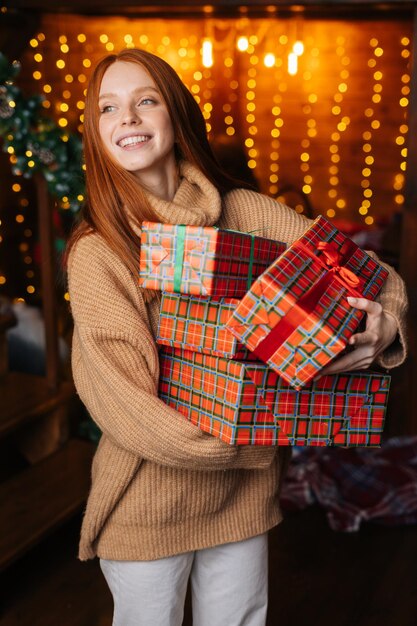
356, 485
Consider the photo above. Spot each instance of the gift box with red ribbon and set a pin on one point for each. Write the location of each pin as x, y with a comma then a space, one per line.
201, 260
248, 403
198, 323
296, 317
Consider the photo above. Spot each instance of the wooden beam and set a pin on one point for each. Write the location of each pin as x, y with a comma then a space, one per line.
212, 3
187, 8
408, 259
15, 31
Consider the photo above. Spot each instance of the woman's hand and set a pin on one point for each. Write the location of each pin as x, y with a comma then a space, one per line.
380, 332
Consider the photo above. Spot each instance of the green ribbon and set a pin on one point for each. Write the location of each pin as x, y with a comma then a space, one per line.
251, 259
179, 258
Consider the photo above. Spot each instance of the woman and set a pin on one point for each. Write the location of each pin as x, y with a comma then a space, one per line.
168, 502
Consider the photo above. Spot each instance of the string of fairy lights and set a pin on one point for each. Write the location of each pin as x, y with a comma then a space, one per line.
371, 114
250, 97
341, 123
400, 140
310, 121
278, 122
246, 76
309, 111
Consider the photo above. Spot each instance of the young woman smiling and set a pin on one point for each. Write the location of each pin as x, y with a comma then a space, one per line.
167, 502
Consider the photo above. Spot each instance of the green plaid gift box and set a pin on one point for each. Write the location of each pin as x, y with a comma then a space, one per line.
248, 403
202, 260
198, 323
296, 317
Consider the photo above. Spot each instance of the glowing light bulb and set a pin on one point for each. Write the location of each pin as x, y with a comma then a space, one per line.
207, 53
298, 48
269, 60
292, 64
242, 44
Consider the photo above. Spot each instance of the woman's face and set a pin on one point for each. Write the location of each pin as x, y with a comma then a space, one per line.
134, 124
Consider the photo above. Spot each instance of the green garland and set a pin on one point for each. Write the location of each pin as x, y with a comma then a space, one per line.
37, 144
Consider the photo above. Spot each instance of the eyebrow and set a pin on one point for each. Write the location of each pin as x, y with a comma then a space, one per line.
136, 91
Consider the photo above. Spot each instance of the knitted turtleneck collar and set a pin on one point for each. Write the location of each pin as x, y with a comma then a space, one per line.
196, 202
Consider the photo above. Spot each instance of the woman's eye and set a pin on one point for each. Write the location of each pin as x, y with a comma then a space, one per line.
107, 109
147, 101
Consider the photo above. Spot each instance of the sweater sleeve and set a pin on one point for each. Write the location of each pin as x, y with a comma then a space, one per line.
394, 300
116, 369
249, 211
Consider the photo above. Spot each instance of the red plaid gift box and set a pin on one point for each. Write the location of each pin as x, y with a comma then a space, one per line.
248, 403
296, 317
197, 323
201, 260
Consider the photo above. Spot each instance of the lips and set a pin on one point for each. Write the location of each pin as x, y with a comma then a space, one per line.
132, 140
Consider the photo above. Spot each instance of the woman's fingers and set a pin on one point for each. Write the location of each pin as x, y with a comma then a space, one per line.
368, 337
369, 306
358, 359
381, 329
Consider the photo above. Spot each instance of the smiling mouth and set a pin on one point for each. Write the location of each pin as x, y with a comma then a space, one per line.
133, 141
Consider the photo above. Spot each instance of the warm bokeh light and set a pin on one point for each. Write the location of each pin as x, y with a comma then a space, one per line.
292, 63
269, 60
298, 48
320, 112
207, 53
242, 44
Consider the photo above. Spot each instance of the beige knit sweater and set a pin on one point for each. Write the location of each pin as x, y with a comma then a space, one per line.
159, 485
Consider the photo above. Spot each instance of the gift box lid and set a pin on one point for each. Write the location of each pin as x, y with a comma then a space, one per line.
202, 260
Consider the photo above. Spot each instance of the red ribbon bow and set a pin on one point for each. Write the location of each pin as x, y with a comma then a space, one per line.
333, 258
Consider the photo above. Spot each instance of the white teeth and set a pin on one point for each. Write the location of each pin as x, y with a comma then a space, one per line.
131, 141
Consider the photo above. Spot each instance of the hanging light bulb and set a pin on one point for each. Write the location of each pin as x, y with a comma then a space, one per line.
292, 64
207, 53
242, 44
269, 60
298, 48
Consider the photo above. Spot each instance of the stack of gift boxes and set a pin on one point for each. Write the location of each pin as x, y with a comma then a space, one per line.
247, 324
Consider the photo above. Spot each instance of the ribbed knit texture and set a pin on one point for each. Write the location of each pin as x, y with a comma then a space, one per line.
159, 485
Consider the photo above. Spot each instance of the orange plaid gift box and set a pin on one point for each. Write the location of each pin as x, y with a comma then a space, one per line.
296, 317
202, 260
197, 323
248, 403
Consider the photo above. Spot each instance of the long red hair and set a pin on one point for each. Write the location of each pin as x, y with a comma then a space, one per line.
112, 192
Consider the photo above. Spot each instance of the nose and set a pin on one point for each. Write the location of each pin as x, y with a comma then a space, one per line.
130, 117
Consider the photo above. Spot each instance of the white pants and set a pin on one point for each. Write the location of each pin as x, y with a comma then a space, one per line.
229, 586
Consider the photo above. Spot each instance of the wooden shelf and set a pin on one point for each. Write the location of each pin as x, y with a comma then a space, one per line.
25, 397
38, 499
